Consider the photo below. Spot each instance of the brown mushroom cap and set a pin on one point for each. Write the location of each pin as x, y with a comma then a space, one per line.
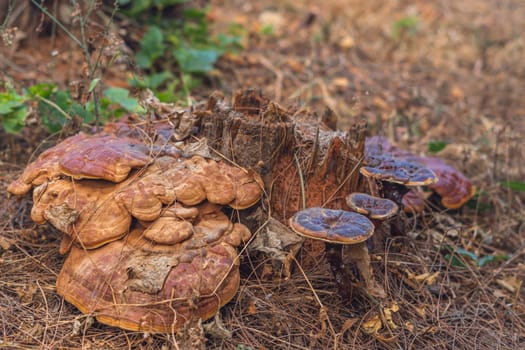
373, 207
137, 285
169, 230
46, 167
100, 156
248, 187
104, 156
190, 181
85, 210
331, 225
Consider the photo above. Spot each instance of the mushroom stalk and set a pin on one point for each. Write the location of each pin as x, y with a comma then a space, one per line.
395, 192
359, 254
334, 255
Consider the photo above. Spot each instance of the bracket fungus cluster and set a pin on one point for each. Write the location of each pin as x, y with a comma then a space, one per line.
143, 209
451, 185
150, 246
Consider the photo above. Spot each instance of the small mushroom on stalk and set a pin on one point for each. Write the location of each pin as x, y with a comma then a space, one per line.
376, 209
338, 228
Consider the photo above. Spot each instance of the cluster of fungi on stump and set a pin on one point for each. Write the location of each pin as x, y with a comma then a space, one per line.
144, 204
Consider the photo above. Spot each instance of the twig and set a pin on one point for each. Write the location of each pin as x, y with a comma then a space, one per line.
58, 23
301, 180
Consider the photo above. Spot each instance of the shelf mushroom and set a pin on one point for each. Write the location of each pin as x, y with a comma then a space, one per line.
450, 184
140, 285
396, 175
337, 228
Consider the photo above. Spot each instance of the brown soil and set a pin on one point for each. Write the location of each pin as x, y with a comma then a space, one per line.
456, 76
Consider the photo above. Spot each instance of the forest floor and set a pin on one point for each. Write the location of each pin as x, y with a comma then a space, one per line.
421, 73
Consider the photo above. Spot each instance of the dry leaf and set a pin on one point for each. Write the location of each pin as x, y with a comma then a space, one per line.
252, 308
5, 243
427, 277
26, 293
432, 278
384, 339
347, 42
431, 330
457, 93
421, 312
341, 83
421, 277
295, 65
349, 322
410, 326
512, 283
498, 293
323, 318
388, 314
373, 325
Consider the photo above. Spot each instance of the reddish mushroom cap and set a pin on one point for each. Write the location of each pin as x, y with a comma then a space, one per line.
331, 225
141, 286
373, 207
104, 156
453, 187
413, 202
86, 210
46, 167
101, 156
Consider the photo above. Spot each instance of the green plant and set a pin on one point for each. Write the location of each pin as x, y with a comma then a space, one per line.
454, 257
407, 25
56, 108
13, 111
183, 45
436, 146
516, 186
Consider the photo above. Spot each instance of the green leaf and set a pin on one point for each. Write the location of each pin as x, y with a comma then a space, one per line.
13, 111
87, 116
193, 60
93, 84
14, 121
44, 90
407, 24
152, 81
9, 105
52, 118
466, 253
513, 185
436, 146
454, 260
121, 97
491, 258
151, 47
